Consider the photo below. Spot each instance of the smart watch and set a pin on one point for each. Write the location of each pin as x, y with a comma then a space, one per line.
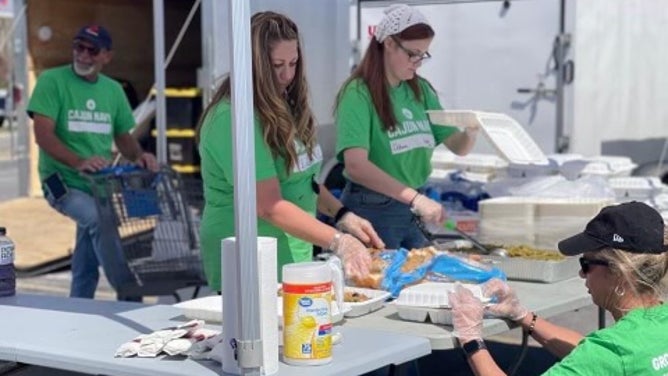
471, 347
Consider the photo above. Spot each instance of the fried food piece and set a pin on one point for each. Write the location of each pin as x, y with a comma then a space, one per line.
417, 257
354, 297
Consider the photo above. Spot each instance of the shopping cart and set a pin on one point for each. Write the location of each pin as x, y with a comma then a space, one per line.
157, 228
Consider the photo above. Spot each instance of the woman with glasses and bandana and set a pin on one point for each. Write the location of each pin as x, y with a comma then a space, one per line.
287, 160
384, 137
624, 264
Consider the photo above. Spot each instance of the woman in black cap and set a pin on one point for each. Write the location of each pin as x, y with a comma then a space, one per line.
624, 263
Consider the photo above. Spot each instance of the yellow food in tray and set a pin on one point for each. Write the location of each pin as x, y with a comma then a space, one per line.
520, 251
533, 253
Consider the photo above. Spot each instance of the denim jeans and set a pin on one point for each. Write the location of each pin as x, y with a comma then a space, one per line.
393, 221
97, 243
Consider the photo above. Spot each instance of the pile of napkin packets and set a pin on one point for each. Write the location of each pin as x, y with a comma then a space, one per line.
190, 339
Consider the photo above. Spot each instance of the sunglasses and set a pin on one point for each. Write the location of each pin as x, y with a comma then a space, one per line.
80, 48
413, 57
586, 264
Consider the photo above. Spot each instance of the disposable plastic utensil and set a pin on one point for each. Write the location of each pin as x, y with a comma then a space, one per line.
452, 226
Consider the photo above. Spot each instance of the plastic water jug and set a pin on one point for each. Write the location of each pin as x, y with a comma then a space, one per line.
7, 274
307, 310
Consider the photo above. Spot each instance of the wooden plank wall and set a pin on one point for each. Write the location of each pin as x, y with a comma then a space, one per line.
130, 23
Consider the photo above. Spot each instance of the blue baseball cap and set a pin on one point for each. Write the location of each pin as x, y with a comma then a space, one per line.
95, 34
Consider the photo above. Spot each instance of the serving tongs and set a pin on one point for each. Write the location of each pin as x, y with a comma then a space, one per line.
452, 226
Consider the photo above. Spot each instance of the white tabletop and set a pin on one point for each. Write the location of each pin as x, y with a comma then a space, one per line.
546, 299
82, 335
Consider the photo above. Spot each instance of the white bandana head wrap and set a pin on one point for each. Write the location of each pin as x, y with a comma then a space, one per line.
398, 18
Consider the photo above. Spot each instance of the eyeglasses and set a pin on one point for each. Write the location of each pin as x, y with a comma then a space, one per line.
80, 48
586, 263
413, 57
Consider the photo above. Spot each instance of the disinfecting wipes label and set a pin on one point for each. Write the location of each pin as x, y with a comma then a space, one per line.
307, 327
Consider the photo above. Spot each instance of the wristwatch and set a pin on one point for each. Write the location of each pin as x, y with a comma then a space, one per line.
471, 347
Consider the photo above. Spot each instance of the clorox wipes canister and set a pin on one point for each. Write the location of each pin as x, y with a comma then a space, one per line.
307, 316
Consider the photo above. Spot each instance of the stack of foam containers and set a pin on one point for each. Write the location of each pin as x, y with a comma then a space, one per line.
506, 221
534, 221
556, 219
638, 188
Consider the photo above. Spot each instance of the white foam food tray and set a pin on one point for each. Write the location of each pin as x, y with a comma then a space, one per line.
421, 314
210, 309
432, 294
376, 300
454, 118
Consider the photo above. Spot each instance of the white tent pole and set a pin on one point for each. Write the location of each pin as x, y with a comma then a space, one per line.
249, 345
159, 74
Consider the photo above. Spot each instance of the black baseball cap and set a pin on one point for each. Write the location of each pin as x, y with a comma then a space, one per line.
631, 226
95, 34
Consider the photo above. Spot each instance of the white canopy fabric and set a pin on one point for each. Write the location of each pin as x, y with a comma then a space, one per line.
620, 58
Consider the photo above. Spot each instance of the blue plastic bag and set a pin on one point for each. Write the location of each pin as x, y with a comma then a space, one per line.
440, 268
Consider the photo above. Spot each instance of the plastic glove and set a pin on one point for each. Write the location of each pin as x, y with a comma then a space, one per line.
506, 302
355, 256
467, 313
151, 345
203, 349
361, 229
428, 210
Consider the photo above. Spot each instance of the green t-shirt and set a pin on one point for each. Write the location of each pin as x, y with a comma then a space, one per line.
405, 153
636, 345
88, 115
217, 173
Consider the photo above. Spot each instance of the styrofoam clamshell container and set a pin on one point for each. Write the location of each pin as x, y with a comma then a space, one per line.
531, 170
575, 165
421, 314
508, 137
511, 140
473, 162
376, 300
618, 165
454, 118
432, 294
636, 187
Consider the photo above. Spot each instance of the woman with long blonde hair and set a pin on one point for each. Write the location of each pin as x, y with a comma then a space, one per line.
287, 158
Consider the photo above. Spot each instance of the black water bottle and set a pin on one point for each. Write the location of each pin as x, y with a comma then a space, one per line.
7, 273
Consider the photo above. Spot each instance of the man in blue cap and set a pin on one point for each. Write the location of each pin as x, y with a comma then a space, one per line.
78, 112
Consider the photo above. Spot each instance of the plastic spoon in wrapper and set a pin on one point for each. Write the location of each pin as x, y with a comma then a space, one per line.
452, 226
